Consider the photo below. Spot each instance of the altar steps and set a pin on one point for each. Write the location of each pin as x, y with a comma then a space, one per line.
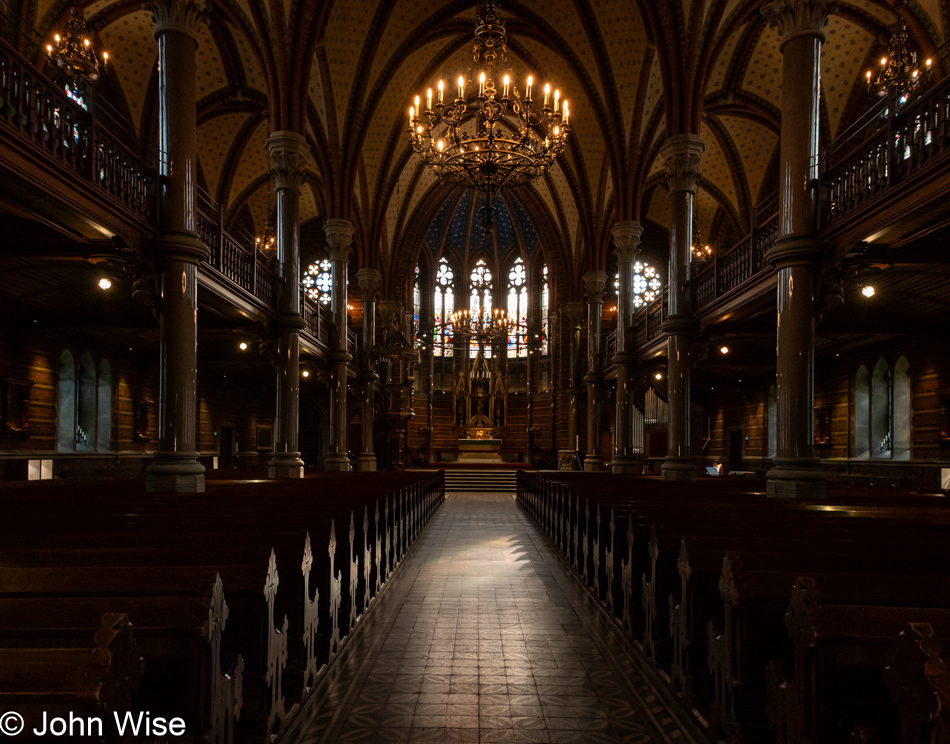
504, 481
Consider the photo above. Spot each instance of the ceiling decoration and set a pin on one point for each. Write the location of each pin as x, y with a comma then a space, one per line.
359, 63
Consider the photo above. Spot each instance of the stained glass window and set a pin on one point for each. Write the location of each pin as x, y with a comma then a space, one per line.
444, 306
646, 284
416, 305
479, 302
318, 281
545, 309
518, 310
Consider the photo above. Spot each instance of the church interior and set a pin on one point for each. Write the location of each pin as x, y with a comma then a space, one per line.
573, 370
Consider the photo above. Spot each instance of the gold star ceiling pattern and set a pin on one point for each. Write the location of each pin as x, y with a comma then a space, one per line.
371, 57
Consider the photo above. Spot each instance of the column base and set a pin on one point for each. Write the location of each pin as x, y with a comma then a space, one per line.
336, 463
679, 469
175, 472
626, 465
366, 462
566, 460
593, 464
794, 478
285, 465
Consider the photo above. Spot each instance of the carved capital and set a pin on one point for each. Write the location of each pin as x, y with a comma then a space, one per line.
387, 313
681, 155
340, 238
626, 237
574, 313
794, 18
183, 16
369, 280
287, 152
595, 282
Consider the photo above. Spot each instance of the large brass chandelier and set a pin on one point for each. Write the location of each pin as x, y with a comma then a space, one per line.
485, 138
899, 69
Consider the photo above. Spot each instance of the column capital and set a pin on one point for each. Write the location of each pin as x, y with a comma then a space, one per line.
340, 238
681, 154
183, 16
595, 282
287, 152
574, 313
794, 18
626, 237
368, 280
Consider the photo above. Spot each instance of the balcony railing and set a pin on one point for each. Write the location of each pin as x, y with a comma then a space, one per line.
736, 266
896, 149
42, 115
234, 256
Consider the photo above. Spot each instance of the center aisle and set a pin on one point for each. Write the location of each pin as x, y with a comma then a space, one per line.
484, 636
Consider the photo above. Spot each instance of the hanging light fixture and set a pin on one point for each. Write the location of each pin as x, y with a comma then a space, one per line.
701, 251
267, 243
899, 69
73, 51
486, 138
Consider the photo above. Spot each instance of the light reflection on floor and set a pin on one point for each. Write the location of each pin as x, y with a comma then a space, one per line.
484, 637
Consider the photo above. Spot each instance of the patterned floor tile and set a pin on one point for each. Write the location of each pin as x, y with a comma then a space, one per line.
482, 635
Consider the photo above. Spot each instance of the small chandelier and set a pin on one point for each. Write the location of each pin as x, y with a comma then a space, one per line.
267, 243
505, 139
74, 53
701, 251
899, 70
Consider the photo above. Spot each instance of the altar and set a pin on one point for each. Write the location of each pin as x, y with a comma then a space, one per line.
479, 449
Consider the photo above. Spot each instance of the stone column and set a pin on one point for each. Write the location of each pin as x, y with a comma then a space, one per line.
369, 280
796, 251
287, 151
178, 250
626, 237
573, 313
595, 282
340, 239
681, 154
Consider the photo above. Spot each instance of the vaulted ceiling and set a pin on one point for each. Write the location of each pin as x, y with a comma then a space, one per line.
344, 73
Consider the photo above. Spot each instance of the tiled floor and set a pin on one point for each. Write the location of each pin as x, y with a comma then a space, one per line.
483, 636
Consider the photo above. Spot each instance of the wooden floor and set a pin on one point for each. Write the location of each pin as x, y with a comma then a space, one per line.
484, 636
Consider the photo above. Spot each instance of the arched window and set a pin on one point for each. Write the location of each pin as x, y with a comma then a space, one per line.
882, 391
66, 404
416, 305
318, 281
862, 413
903, 410
87, 412
443, 307
104, 408
518, 309
545, 309
479, 301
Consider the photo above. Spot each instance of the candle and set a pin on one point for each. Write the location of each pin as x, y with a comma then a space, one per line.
481, 84
527, 92
461, 87
547, 93
429, 99
567, 113
507, 82
411, 112
441, 88
557, 96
